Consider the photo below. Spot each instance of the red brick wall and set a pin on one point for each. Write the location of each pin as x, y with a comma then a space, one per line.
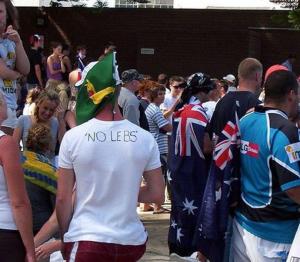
185, 41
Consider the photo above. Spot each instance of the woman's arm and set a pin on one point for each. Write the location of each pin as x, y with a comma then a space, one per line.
21, 209
70, 119
17, 135
62, 65
22, 61
67, 63
47, 230
7, 73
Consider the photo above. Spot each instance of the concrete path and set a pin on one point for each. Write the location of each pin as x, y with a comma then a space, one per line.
157, 245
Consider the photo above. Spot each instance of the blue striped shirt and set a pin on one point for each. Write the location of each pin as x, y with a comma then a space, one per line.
156, 121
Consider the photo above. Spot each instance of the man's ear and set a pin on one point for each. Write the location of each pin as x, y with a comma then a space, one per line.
291, 95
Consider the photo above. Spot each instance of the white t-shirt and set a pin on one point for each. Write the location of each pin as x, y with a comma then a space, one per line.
108, 158
209, 108
167, 104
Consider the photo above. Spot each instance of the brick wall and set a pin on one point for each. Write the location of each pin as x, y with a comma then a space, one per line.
185, 41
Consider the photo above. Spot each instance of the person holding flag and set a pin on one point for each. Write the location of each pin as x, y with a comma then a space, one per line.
107, 156
188, 170
222, 191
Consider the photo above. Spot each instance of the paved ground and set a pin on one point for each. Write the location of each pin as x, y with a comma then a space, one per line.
157, 245
157, 227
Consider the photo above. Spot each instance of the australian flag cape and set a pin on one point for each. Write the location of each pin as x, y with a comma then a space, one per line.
222, 192
187, 177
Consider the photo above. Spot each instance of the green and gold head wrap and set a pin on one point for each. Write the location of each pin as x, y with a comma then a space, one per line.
96, 88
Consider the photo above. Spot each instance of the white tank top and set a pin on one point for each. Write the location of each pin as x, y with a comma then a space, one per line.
6, 215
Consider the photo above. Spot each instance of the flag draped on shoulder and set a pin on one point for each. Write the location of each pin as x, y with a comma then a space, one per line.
39, 170
222, 192
187, 176
96, 87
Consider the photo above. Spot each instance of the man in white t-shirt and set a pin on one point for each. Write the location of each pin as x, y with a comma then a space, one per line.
107, 157
172, 99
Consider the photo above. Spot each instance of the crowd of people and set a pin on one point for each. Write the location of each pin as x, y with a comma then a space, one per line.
81, 147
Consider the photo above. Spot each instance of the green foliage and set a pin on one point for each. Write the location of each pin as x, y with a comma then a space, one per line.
293, 17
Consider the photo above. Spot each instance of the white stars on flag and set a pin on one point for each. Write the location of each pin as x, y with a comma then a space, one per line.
173, 224
169, 176
189, 206
179, 234
218, 194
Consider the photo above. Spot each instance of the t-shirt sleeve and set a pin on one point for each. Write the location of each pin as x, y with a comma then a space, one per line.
159, 119
286, 157
64, 158
154, 160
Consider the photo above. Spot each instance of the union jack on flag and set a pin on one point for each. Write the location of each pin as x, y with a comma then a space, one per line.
222, 189
222, 151
188, 116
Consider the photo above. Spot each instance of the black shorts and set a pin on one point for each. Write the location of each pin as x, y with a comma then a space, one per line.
11, 246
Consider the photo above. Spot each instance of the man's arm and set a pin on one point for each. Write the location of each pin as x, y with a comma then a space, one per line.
64, 209
153, 190
169, 112
167, 128
38, 74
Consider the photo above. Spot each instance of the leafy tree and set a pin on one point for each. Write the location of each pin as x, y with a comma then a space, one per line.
293, 17
292, 4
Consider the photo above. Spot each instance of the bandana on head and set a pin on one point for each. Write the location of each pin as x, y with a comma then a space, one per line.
96, 88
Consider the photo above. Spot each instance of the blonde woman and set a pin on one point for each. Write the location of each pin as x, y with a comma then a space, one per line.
46, 106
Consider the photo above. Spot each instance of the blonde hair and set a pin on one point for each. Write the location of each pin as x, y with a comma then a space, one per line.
32, 95
39, 138
248, 68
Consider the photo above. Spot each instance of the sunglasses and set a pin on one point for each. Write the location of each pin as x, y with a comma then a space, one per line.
182, 85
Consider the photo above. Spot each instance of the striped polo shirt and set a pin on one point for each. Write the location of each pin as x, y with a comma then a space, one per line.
156, 121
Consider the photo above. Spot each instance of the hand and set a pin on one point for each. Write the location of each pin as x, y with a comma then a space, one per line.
45, 250
13, 35
60, 113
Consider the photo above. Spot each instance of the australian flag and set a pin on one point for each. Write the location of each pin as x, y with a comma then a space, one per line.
221, 193
187, 177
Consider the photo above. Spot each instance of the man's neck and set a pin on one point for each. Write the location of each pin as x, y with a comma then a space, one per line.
247, 86
281, 107
129, 88
110, 114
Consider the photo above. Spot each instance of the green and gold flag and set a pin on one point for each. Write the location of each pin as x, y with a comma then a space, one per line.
96, 87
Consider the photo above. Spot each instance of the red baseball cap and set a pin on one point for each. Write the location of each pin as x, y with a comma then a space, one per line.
274, 68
